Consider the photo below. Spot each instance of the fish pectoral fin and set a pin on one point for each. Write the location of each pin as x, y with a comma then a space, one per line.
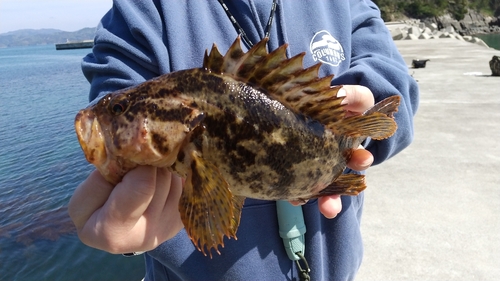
345, 184
208, 209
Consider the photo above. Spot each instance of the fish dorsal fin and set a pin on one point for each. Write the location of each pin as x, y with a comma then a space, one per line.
283, 79
236, 62
301, 90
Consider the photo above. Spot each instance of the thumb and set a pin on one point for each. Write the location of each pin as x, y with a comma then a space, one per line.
357, 99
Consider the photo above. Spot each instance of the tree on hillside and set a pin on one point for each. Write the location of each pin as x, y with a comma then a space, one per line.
458, 8
495, 6
427, 9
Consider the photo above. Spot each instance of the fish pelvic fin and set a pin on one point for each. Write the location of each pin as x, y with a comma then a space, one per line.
208, 209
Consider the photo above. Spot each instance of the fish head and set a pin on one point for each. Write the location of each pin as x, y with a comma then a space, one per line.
133, 127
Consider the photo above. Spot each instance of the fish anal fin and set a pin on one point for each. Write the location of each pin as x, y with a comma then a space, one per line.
208, 209
345, 184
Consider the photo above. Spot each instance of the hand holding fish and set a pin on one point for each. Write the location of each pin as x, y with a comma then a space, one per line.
137, 214
141, 212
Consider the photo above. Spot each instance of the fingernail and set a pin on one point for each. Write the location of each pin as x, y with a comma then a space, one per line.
341, 93
367, 163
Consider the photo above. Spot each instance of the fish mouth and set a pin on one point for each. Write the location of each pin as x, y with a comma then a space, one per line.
90, 137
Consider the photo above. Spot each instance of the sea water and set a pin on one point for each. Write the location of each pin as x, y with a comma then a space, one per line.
41, 163
491, 39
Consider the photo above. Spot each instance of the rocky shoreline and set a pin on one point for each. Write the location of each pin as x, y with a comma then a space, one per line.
416, 30
472, 23
446, 27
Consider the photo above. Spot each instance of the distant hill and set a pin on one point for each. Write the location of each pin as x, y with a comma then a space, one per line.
28, 37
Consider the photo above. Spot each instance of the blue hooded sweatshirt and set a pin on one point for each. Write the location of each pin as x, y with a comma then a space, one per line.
141, 39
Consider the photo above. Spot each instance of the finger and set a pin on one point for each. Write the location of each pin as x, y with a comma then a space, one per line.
330, 206
162, 220
89, 196
131, 197
162, 190
298, 202
176, 187
361, 159
173, 223
357, 99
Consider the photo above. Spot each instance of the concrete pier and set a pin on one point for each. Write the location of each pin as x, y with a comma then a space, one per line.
75, 45
433, 211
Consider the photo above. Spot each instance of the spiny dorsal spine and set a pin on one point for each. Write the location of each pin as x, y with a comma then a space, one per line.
285, 80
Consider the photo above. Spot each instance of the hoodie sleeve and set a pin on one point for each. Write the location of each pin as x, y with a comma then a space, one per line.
377, 64
128, 48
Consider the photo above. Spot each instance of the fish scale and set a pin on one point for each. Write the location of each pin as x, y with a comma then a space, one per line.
252, 124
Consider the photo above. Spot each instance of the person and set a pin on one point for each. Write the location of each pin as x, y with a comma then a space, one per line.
139, 40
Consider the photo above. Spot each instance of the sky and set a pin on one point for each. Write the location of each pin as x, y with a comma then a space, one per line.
67, 15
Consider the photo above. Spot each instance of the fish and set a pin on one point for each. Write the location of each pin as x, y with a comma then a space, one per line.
252, 124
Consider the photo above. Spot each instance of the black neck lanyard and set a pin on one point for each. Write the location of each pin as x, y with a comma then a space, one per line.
240, 30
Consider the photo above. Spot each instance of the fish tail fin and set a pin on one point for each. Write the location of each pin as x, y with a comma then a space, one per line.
377, 122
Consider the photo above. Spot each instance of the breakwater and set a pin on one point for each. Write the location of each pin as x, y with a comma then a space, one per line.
75, 45
416, 30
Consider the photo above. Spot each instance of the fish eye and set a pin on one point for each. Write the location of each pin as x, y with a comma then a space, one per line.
119, 107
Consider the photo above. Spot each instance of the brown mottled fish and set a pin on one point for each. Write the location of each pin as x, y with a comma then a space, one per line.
252, 124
